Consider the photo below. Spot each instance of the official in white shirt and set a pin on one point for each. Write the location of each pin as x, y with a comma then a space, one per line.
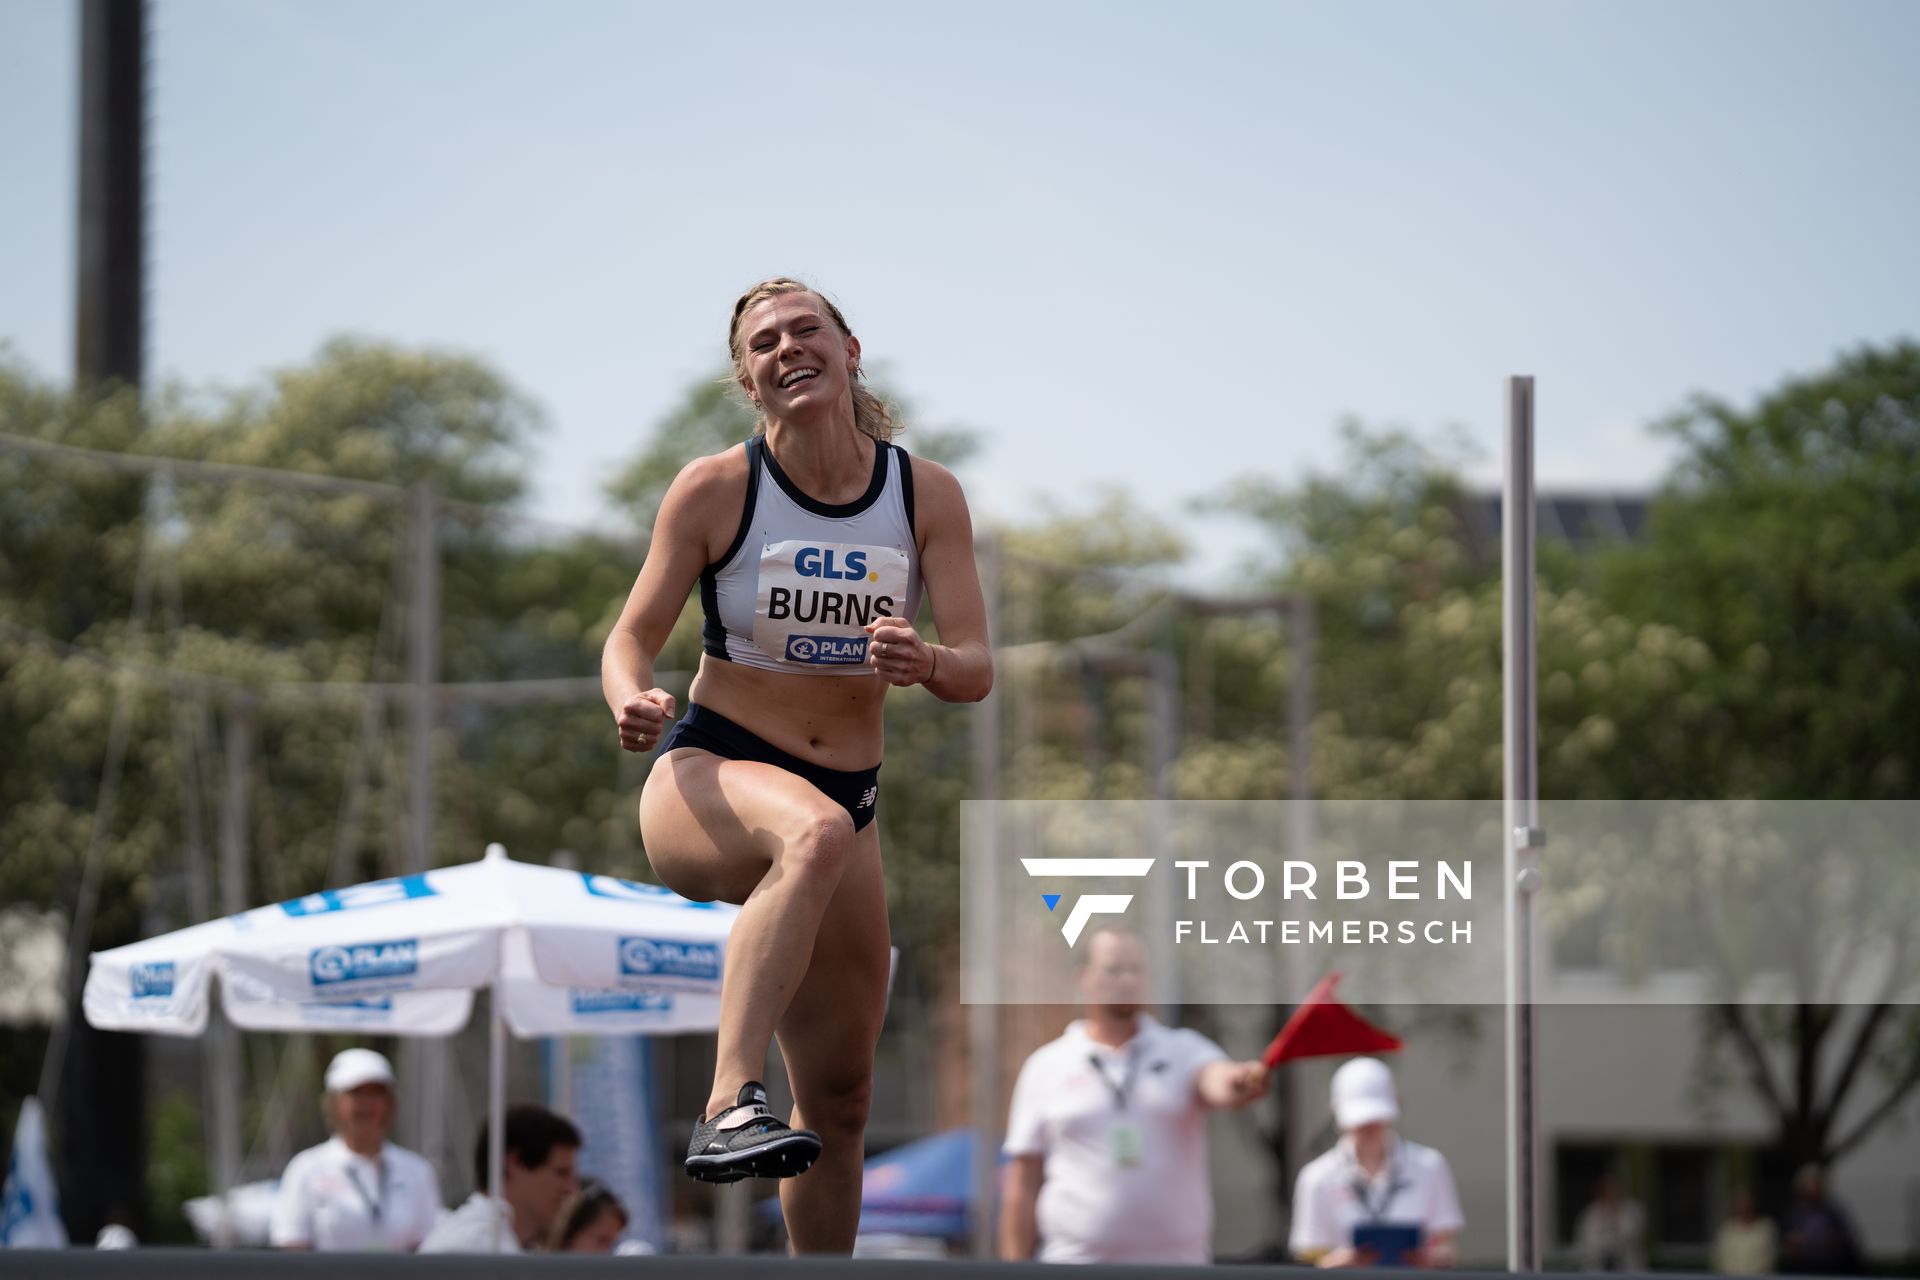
356, 1190
1374, 1178
1108, 1129
537, 1180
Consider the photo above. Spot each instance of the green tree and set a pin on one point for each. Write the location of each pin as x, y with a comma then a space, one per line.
1408, 677
171, 599
1408, 682
1788, 542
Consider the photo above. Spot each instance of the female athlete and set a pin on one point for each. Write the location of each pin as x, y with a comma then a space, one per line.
810, 544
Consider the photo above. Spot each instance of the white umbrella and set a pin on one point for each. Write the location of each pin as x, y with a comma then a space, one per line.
565, 953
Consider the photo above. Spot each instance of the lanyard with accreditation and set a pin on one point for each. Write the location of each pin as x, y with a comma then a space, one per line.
1124, 1136
1389, 1242
375, 1207
1363, 1191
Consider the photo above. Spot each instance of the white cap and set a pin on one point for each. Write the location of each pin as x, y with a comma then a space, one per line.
1363, 1094
115, 1236
352, 1068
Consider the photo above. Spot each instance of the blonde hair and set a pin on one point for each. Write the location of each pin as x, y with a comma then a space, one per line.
870, 413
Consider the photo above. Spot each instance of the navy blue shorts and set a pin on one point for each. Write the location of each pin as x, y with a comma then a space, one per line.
855, 790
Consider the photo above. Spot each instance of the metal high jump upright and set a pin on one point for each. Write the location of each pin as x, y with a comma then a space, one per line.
983, 1016
1523, 837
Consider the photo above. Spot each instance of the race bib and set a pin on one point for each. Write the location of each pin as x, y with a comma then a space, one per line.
816, 599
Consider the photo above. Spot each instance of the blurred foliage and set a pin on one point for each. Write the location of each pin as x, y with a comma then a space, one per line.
1408, 681
1757, 641
230, 584
176, 1170
1788, 542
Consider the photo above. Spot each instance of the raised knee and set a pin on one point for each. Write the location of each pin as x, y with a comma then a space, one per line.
820, 843
841, 1109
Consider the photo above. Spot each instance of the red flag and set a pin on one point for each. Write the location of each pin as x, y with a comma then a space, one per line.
1322, 1027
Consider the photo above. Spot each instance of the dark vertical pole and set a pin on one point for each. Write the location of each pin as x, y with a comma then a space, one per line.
102, 1116
110, 318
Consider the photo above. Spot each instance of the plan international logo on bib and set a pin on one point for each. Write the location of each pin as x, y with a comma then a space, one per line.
827, 650
395, 959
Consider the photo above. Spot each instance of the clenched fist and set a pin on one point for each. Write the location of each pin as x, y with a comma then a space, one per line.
898, 653
643, 718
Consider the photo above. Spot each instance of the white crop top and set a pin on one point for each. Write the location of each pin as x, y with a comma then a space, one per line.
802, 578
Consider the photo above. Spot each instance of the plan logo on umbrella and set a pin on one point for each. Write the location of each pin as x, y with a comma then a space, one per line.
396, 959
661, 958
149, 981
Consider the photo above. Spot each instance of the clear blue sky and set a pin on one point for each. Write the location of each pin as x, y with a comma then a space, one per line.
1152, 246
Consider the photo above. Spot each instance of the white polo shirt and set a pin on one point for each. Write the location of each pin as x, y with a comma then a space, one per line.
1100, 1201
1333, 1195
332, 1199
481, 1224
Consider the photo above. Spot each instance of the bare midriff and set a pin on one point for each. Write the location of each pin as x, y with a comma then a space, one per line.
832, 721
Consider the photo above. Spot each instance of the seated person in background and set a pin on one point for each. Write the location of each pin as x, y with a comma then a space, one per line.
589, 1222
1373, 1182
536, 1177
356, 1190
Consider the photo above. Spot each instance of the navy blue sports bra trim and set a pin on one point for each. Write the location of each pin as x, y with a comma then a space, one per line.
755, 448
906, 491
830, 510
713, 633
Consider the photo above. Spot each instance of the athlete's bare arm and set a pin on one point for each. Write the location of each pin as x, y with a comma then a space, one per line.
959, 668
687, 533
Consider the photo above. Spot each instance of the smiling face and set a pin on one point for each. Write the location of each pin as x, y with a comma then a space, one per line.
791, 357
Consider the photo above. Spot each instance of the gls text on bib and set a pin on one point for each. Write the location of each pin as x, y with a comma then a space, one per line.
816, 599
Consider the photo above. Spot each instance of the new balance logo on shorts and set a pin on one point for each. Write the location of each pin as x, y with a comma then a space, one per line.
868, 796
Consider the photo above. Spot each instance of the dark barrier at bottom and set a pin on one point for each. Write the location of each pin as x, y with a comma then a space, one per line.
194, 1264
